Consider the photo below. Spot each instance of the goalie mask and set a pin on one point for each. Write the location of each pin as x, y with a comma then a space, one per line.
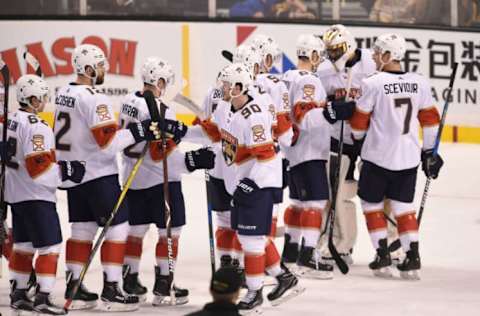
340, 45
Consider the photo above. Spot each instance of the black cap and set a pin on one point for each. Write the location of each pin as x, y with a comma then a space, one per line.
225, 281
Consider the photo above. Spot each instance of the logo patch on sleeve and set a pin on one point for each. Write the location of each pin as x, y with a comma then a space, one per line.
103, 113
258, 133
38, 143
308, 92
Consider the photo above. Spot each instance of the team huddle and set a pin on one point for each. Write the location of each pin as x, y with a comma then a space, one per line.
262, 133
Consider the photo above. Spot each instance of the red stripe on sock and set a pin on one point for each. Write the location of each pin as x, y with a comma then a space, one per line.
236, 243
291, 217
254, 264
78, 251
134, 247
225, 237
407, 223
273, 228
21, 262
375, 221
112, 252
47, 264
161, 250
311, 218
272, 257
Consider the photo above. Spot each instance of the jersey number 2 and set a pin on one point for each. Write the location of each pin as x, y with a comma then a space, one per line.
63, 116
408, 116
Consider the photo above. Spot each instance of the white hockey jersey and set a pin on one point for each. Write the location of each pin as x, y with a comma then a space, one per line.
308, 99
282, 129
32, 174
86, 130
210, 104
150, 173
247, 144
335, 84
389, 112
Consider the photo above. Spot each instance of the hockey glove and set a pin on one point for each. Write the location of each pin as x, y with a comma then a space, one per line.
10, 150
174, 129
339, 111
203, 158
145, 130
245, 190
71, 170
431, 164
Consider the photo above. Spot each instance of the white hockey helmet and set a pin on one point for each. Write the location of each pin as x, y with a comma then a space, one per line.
340, 44
307, 45
392, 43
88, 55
31, 86
155, 69
266, 46
248, 55
238, 73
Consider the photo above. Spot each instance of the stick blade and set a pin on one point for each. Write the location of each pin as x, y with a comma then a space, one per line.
189, 104
342, 266
227, 55
33, 62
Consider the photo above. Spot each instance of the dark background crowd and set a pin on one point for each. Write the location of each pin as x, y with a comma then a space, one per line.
423, 12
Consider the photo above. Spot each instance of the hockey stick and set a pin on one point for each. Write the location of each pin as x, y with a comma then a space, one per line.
227, 55
195, 108
189, 104
160, 117
342, 266
108, 223
437, 140
211, 237
33, 62
3, 205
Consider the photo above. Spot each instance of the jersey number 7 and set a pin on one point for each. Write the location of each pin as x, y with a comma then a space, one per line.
408, 116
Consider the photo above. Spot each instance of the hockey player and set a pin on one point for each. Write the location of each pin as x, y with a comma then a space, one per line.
86, 129
146, 194
33, 175
343, 54
244, 128
227, 244
386, 115
308, 181
270, 54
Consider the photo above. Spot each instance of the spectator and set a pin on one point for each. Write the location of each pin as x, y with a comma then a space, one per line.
225, 289
253, 8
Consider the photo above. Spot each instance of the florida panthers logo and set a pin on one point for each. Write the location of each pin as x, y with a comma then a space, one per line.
38, 143
229, 147
103, 113
309, 92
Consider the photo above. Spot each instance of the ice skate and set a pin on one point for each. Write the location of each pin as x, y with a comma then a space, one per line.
161, 291
114, 300
310, 267
43, 305
132, 285
251, 303
290, 252
20, 303
32, 284
382, 262
83, 298
287, 288
411, 265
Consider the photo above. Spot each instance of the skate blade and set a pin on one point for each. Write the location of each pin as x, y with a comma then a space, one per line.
254, 311
159, 300
411, 275
19, 312
142, 298
384, 273
288, 295
118, 307
309, 273
82, 305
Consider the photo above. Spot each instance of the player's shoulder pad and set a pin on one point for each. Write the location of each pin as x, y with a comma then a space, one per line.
325, 69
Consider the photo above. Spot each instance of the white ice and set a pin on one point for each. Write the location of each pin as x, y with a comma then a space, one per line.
449, 237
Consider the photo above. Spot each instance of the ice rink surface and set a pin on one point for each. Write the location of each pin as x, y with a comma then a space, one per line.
449, 238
